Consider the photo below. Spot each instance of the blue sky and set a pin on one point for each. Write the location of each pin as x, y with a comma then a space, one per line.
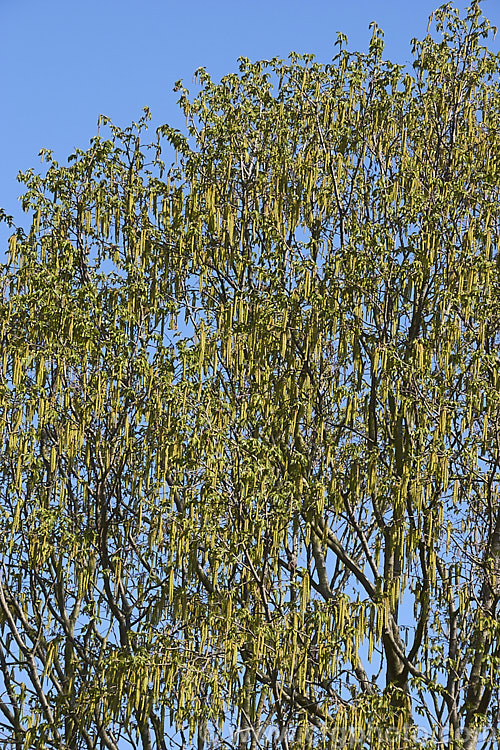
65, 62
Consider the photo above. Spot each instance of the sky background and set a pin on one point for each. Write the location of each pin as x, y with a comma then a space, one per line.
64, 62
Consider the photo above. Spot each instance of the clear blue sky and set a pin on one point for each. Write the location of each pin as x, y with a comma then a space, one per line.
65, 62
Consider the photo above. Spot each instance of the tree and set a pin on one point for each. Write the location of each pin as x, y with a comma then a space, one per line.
250, 414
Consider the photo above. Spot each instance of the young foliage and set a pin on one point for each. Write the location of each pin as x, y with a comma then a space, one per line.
250, 416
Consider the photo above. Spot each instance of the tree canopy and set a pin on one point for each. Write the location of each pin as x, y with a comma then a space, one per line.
250, 416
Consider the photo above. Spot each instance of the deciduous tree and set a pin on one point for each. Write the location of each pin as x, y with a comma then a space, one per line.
250, 421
